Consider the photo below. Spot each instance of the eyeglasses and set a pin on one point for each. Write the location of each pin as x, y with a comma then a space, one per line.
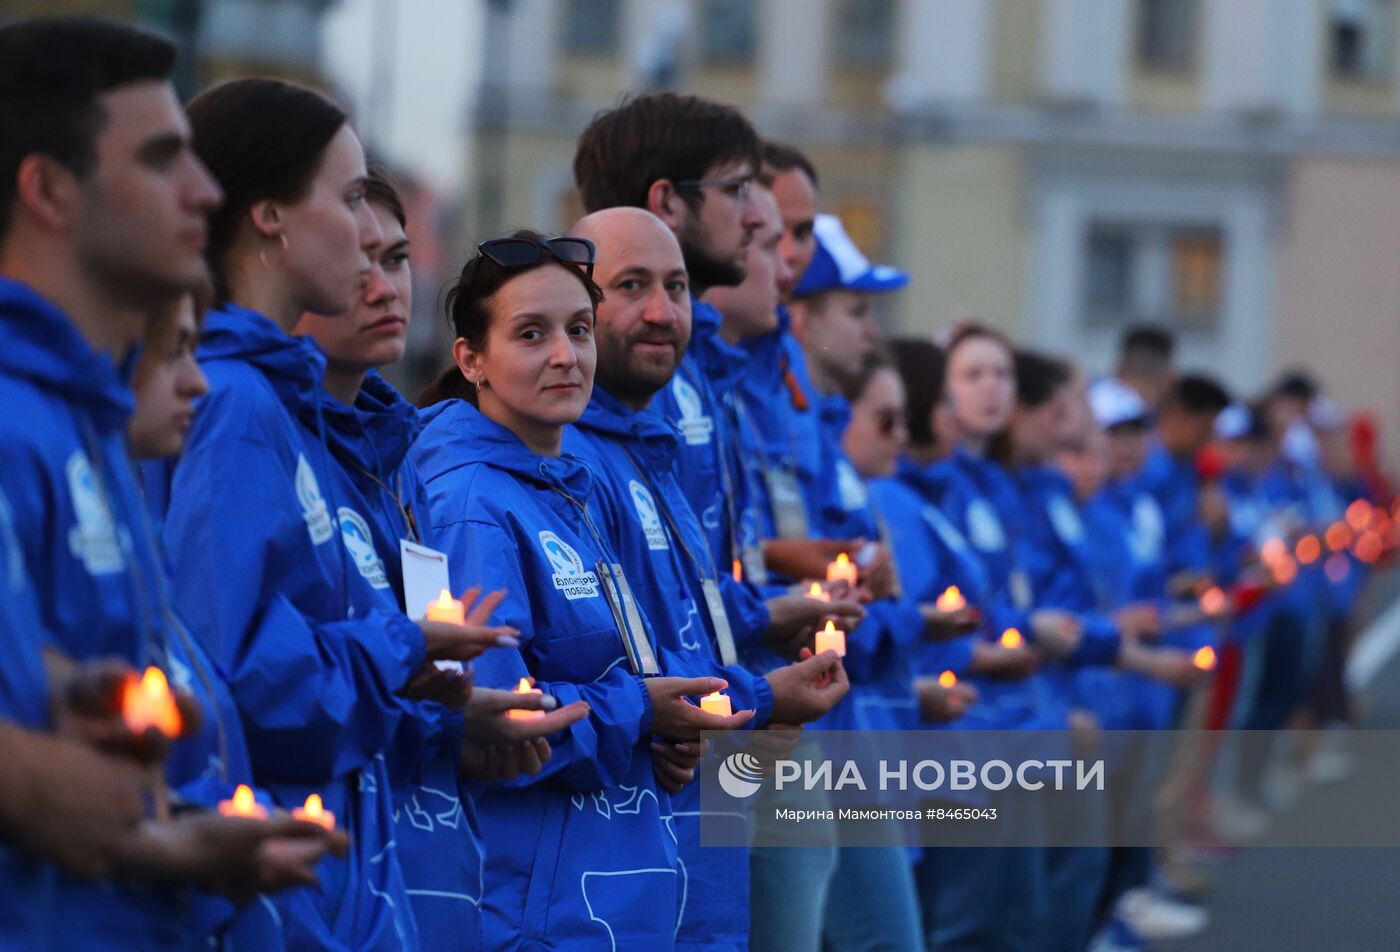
738, 189
520, 252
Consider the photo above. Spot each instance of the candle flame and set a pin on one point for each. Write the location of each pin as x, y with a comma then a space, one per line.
149, 703
523, 687
444, 599
1358, 513
1213, 601
951, 600
1011, 638
1273, 551
843, 560
1308, 550
830, 627
1204, 658
313, 805
947, 679
737, 570
243, 801
1338, 536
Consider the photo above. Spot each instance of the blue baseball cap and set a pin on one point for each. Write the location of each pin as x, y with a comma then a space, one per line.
838, 265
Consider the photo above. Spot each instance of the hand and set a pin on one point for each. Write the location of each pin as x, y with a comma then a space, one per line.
675, 763
940, 705
805, 558
238, 857
1188, 583
793, 619
1085, 732
675, 717
487, 717
876, 570
1139, 622
66, 803
945, 626
490, 762
774, 742
448, 642
806, 690
1003, 664
87, 707
1056, 633
450, 688
1167, 665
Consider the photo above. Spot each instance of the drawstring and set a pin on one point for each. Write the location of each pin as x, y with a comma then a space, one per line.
335, 510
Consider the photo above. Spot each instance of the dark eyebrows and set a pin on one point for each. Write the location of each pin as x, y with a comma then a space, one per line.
395, 248
162, 148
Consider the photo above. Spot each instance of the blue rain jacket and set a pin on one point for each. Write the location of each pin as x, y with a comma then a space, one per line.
635, 503
582, 855
314, 650
1176, 486
435, 823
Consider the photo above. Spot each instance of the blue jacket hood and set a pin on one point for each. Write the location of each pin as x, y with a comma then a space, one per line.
375, 432
456, 434
294, 366
645, 430
43, 346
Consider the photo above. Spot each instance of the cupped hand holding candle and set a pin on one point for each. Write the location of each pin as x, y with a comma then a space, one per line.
831, 638
843, 570
243, 804
314, 811
951, 600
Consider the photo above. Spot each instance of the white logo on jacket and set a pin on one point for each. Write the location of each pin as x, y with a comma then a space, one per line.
569, 575
695, 425
854, 496
93, 541
360, 543
313, 505
984, 527
1068, 525
646, 515
1148, 530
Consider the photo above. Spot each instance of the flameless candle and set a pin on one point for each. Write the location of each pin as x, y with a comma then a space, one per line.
1285, 569
842, 570
831, 638
1308, 550
1204, 658
1338, 536
947, 679
1273, 551
516, 714
447, 609
1213, 601
1011, 638
716, 703
737, 570
951, 600
243, 804
1358, 514
315, 812
149, 703
817, 592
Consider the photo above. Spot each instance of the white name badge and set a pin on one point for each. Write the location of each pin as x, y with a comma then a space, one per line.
628, 619
789, 510
424, 577
719, 619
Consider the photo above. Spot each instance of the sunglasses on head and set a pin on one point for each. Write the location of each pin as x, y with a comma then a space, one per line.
520, 252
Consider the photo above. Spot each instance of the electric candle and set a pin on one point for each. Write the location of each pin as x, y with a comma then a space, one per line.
951, 600
1213, 601
842, 570
947, 679
517, 714
1011, 638
447, 609
315, 812
1204, 658
149, 703
816, 591
716, 703
243, 804
831, 638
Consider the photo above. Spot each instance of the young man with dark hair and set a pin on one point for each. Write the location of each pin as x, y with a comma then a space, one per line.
103, 210
1145, 362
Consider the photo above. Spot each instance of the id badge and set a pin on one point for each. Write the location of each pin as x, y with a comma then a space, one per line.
755, 568
425, 576
628, 620
719, 620
1020, 586
789, 511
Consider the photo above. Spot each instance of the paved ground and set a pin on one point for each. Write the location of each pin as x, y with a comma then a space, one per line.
1302, 900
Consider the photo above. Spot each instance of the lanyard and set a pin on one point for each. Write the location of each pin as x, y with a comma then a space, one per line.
410, 521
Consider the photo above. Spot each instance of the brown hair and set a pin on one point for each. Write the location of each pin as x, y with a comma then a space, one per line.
999, 446
161, 331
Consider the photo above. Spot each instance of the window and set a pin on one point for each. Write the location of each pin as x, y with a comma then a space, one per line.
591, 27
864, 34
1166, 34
727, 31
1361, 35
1155, 273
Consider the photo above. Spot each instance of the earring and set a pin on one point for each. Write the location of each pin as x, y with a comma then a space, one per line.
262, 252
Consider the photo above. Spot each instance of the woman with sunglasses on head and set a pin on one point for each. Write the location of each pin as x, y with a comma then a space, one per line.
581, 855
273, 569
369, 429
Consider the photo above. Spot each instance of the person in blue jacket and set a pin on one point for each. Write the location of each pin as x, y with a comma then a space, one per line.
369, 430
321, 663
584, 853
633, 452
92, 119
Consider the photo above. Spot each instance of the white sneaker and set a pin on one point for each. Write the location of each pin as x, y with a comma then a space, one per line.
1329, 765
1237, 821
1155, 918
